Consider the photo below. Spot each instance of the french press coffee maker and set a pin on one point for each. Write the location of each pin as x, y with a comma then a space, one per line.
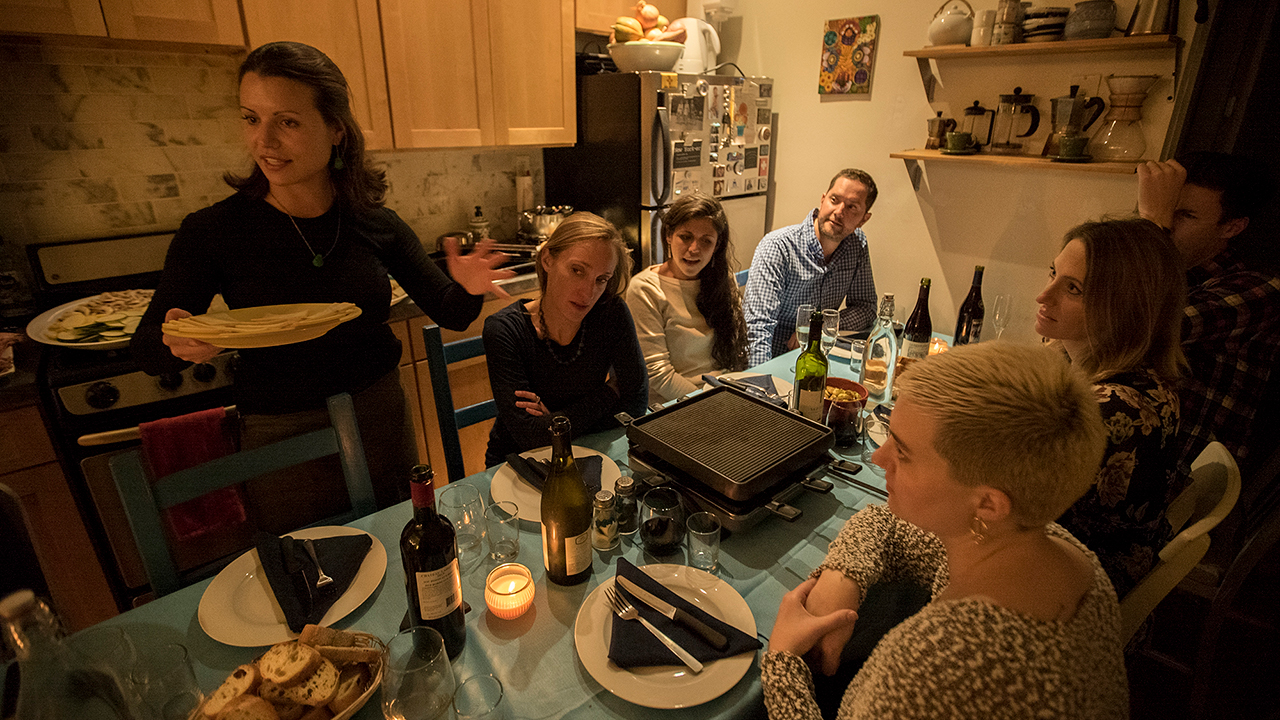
972, 124
1008, 113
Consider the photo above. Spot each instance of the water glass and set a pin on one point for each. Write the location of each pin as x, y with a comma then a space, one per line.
502, 530
875, 434
480, 698
418, 683
661, 522
830, 330
704, 541
166, 683
803, 314
462, 505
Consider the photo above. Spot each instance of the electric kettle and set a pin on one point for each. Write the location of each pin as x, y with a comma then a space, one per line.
700, 47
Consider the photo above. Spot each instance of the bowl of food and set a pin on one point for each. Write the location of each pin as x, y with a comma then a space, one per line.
842, 404
640, 55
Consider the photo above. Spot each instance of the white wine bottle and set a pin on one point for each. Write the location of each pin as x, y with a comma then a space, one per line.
919, 329
566, 512
811, 373
880, 357
969, 321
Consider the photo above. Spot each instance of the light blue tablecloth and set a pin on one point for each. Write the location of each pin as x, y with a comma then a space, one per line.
534, 655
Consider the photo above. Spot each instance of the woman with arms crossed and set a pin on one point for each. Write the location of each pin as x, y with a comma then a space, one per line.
573, 350
1023, 620
308, 224
687, 311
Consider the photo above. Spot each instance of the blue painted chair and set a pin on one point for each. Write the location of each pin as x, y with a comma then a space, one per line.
439, 356
741, 277
144, 499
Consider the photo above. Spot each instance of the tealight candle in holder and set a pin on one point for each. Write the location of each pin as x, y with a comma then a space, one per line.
937, 345
508, 591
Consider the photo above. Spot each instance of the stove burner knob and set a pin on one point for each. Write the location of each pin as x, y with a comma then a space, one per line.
204, 372
101, 395
171, 381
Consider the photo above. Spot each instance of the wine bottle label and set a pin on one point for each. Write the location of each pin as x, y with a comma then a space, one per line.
809, 404
915, 350
577, 552
439, 591
975, 331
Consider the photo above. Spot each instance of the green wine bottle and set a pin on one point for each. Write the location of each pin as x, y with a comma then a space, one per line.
566, 512
811, 373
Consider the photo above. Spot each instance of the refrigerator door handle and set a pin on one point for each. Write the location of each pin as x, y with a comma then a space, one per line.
660, 183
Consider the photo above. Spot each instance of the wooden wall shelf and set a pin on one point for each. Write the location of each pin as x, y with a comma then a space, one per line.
1116, 44
1019, 161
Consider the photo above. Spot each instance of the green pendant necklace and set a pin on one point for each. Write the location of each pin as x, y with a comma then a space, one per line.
317, 260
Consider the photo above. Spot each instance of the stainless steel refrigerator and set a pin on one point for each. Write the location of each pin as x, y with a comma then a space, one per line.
646, 138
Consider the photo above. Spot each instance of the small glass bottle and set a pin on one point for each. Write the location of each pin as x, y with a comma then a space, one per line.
627, 505
604, 526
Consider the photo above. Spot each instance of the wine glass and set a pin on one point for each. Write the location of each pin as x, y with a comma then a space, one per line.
803, 314
662, 522
462, 506
830, 329
1000, 314
419, 682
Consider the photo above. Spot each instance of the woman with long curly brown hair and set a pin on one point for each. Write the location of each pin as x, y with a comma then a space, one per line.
687, 311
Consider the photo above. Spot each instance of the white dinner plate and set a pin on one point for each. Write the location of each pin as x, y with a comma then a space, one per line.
665, 686
304, 330
40, 323
238, 608
398, 295
782, 386
508, 485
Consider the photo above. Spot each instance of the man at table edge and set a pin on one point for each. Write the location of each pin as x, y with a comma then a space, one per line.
821, 261
1231, 332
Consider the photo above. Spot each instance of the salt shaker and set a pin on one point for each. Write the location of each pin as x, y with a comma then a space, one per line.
604, 528
628, 507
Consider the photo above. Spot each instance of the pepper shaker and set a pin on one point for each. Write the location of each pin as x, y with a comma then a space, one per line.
604, 528
627, 505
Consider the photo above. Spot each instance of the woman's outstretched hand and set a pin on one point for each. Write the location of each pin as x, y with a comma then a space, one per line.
196, 351
476, 271
797, 630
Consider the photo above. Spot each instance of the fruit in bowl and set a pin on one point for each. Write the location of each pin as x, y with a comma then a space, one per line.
643, 55
646, 23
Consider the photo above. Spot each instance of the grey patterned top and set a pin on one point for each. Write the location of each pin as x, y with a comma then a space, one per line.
966, 658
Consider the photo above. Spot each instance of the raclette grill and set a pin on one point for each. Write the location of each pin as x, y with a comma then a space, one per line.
731, 442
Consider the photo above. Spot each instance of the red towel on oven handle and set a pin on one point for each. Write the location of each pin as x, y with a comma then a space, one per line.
178, 443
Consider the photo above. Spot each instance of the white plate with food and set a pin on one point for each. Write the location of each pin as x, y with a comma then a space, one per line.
263, 326
782, 386
665, 686
98, 322
238, 608
398, 295
508, 485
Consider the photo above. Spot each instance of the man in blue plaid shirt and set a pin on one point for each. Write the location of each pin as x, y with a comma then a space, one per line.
823, 262
1231, 332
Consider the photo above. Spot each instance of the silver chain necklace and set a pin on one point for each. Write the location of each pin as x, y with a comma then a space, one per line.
317, 259
546, 338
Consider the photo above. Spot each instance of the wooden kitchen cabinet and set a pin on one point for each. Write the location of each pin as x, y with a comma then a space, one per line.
29, 467
597, 16
348, 32
214, 22
484, 72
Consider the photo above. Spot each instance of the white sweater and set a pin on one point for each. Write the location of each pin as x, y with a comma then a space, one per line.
674, 336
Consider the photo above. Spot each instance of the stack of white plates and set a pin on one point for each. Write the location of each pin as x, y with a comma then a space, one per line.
1044, 24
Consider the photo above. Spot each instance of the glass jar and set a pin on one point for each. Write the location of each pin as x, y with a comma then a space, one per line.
628, 506
604, 527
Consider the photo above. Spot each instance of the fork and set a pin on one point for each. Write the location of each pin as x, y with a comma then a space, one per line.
627, 611
311, 550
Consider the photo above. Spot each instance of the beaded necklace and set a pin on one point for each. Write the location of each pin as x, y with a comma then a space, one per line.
546, 338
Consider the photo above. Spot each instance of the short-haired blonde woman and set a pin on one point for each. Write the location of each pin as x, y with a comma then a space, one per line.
572, 351
687, 311
1023, 621
1114, 304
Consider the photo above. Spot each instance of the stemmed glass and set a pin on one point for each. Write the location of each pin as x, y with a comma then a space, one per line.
830, 330
418, 683
1000, 314
803, 313
462, 506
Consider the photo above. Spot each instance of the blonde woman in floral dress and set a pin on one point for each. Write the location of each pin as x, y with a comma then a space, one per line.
1114, 305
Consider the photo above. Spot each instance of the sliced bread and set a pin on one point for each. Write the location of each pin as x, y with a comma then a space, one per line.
289, 663
242, 681
320, 635
343, 655
248, 707
353, 680
318, 688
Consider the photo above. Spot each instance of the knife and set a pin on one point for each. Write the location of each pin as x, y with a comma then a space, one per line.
716, 639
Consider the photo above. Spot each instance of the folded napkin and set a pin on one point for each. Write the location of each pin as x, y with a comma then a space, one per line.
632, 645
292, 575
760, 386
535, 471
179, 443
764, 382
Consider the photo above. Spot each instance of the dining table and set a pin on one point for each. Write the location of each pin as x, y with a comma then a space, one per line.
534, 655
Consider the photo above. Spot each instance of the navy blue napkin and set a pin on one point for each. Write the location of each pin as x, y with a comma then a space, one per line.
535, 471
632, 645
765, 382
292, 575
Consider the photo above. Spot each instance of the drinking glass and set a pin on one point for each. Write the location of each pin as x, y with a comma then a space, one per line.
875, 433
480, 698
803, 314
830, 329
1000, 314
418, 683
502, 530
662, 522
462, 505
166, 683
107, 656
704, 541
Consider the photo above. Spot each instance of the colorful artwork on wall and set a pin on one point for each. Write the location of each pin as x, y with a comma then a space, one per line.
848, 55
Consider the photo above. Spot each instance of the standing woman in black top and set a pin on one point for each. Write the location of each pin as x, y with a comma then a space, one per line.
308, 224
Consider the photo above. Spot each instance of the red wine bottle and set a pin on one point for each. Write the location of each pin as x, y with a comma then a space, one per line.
969, 321
429, 550
919, 329
566, 512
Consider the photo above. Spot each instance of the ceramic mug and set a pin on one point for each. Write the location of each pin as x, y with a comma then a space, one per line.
960, 141
1072, 145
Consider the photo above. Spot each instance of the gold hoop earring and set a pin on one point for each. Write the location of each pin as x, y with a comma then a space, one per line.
978, 528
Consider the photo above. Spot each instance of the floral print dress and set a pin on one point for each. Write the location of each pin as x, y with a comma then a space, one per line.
1122, 516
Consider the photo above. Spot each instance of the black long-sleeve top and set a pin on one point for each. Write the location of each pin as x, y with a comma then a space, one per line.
252, 254
519, 360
